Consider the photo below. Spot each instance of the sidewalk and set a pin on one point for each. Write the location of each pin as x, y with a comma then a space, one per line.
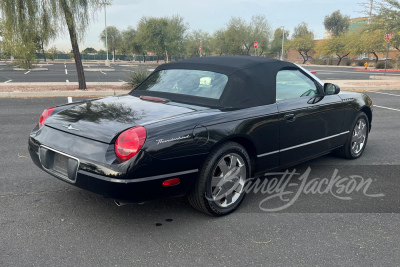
63, 89
367, 85
60, 89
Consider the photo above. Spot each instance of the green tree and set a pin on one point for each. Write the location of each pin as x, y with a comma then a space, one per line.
387, 19
128, 41
372, 41
161, 36
23, 50
336, 23
113, 38
276, 44
151, 33
131, 43
44, 32
52, 51
219, 42
1, 35
193, 41
89, 50
20, 42
177, 28
239, 36
22, 15
341, 45
302, 40
260, 31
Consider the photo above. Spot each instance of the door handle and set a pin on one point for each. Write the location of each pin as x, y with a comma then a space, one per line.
290, 117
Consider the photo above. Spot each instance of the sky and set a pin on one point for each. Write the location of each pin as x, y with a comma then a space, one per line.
210, 15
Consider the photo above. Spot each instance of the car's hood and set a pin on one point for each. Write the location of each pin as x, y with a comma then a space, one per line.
102, 119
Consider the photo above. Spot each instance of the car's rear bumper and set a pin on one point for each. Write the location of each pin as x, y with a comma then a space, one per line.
120, 187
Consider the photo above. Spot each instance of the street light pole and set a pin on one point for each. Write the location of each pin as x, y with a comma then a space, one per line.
387, 55
104, 3
283, 39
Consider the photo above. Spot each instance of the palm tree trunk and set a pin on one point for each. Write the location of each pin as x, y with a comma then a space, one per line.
44, 54
74, 42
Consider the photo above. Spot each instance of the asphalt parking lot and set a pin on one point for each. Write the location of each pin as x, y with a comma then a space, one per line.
46, 222
346, 73
66, 72
96, 72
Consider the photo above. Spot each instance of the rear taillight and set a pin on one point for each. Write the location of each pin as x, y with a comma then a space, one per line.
45, 114
130, 142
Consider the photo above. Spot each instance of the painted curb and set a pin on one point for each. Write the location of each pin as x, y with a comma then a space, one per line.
396, 78
377, 70
99, 69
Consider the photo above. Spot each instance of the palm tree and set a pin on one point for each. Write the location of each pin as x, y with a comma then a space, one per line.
18, 14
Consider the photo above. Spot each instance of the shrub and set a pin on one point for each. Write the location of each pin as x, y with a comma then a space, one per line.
318, 61
348, 63
24, 54
381, 65
360, 63
136, 76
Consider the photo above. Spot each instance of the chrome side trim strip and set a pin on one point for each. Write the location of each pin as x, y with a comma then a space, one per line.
126, 181
304, 144
267, 154
315, 141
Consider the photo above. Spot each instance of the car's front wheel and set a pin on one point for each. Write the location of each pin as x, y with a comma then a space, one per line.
357, 140
219, 188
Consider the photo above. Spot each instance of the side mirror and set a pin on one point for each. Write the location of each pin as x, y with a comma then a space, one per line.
331, 89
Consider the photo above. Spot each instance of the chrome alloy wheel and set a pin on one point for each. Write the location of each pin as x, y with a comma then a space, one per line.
228, 179
359, 136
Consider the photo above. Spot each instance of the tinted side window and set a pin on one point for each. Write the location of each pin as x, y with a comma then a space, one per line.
293, 84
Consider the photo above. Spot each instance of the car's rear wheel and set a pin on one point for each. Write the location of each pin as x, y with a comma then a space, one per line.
219, 188
358, 137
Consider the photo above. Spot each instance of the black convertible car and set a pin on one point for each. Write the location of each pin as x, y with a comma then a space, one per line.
202, 128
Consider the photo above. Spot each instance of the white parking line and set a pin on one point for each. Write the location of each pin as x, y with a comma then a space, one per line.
8, 81
66, 71
69, 99
27, 72
103, 73
382, 93
387, 108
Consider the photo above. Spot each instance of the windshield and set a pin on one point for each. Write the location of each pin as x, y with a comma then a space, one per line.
186, 82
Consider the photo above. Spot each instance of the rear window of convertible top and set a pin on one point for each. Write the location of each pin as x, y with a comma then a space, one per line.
186, 82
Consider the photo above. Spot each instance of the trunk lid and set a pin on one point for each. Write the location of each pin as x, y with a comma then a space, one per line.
103, 119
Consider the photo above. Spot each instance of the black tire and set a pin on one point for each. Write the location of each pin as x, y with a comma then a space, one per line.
201, 195
347, 151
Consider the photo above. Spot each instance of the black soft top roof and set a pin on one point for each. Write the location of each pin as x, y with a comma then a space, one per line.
222, 64
251, 80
